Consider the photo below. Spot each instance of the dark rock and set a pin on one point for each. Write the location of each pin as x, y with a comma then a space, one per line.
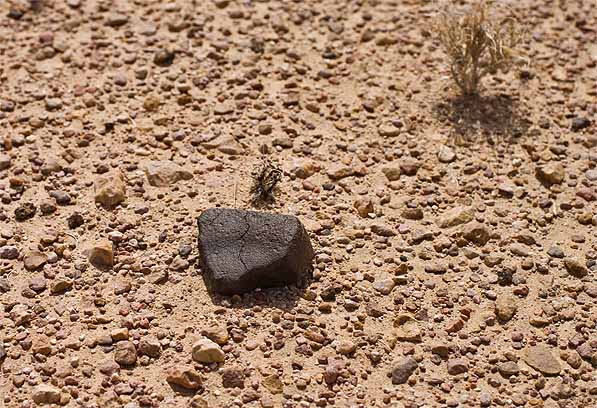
61, 197
9, 252
163, 58
579, 124
403, 369
75, 220
243, 250
555, 252
15, 14
233, 377
575, 267
25, 211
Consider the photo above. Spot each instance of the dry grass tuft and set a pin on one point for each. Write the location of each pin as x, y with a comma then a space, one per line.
478, 44
266, 177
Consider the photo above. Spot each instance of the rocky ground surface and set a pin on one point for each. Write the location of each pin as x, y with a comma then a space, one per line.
455, 240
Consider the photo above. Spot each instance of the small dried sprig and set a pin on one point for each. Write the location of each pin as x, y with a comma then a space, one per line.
477, 44
266, 176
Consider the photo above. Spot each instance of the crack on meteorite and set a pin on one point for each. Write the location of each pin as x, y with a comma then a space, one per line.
241, 238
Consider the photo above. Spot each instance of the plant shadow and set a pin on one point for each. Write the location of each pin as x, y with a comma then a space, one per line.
495, 118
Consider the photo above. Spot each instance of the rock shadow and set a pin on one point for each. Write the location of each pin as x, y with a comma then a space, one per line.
495, 118
284, 298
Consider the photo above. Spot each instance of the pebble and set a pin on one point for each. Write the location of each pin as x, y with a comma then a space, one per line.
403, 369
575, 268
25, 211
455, 216
45, 394
550, 174
163, 58
125, 353
101, 254
207, 351
185, 377
165, 173
457, 366
34, 260
5, 161
446, 154
505, 307
233, 377
541, 359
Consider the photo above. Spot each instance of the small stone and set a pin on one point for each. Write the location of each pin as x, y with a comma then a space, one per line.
541, 359
346, 347
580, 123
207, 351
505, 307
576, 268
413, 213
61, 197
116, 20
164, 173
508, 369
38, 284
446, 154
392, 173
364, 207
45, 394
163, 58
101, 254
34, 260
555, 252
476, 233
5, 161
224, 108
403, 369
125, 353
454, 326
384, 285
550, 174
233, 377
587, 194
273, 383
217, 334
150, 346
60, 284
455, 216
185, 377
47, 207
110, 189
151, 103
382, 230
409, 167
9, 252
53, 104
389, 130
338, 171
120, 333
457, 366
407, 328
120, 79
25, 211
75, 220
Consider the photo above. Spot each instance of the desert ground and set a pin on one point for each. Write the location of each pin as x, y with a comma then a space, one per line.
455, 238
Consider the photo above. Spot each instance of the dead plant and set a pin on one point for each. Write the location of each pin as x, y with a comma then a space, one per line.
266, 177
478, 44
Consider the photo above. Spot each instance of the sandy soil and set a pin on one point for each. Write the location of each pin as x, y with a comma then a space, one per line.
456, 240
